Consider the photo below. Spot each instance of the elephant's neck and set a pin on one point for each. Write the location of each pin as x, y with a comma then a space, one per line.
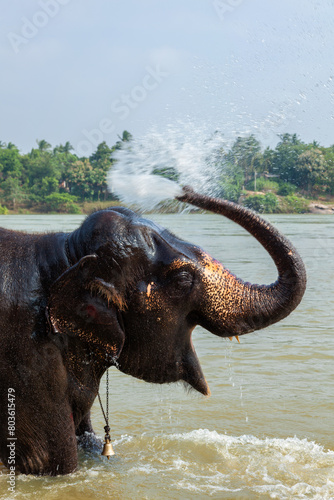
85, 368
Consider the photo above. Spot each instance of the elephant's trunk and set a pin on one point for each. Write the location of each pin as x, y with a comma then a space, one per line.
232, 307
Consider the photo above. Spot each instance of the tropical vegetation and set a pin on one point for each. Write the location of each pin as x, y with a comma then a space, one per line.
283, 179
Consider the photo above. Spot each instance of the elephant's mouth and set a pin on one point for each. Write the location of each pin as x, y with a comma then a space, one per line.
156, 362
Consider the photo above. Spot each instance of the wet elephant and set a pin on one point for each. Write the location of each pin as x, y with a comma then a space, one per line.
120, 290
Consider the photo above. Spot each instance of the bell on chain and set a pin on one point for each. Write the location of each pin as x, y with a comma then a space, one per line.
107, 447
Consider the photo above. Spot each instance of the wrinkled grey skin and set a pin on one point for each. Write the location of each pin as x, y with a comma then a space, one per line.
119, 289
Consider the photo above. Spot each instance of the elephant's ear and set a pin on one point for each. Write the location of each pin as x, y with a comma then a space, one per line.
83, 305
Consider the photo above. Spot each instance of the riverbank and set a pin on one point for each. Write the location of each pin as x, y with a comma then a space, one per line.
320, 208
270, 202
276, 204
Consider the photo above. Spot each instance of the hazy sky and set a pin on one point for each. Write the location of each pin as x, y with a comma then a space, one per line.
83, 71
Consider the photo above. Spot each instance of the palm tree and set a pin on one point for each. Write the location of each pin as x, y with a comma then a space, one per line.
126, 136
66, 148
43, 145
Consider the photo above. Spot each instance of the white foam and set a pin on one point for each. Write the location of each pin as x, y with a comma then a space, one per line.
282, 468
203, 462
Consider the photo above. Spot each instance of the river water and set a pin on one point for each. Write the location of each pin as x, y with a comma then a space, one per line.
267, 429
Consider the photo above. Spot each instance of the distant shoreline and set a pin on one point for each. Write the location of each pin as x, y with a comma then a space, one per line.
319, 208
314, 207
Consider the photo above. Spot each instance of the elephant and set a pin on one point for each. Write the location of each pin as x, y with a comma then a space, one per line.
119, 291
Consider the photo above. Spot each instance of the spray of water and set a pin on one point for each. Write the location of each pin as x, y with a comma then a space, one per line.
188, 155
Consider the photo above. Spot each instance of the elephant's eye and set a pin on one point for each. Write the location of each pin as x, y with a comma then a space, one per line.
181, 283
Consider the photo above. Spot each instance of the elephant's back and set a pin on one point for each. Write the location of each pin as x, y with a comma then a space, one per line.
19, 277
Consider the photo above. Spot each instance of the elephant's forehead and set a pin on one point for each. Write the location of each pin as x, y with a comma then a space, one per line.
162, 238
142, 222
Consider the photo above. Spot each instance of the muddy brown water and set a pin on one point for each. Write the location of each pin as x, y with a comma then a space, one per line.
267, 429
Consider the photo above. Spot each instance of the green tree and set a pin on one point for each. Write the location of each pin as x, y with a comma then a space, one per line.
42, 173
66, 148
245, 155
65, 161
232, 177
268, 159
311, 167
101, 163
10, 162
101, 155
12, 191
238, 165
61, 202
283, 160
43, 145
286, 189
44, 187
40, 163
126, 137
267, 203
329, 159
80, 179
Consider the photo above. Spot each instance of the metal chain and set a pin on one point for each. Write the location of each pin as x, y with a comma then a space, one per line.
105, 413
107, 398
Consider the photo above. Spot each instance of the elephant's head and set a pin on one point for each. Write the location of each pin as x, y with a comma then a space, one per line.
137, 292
